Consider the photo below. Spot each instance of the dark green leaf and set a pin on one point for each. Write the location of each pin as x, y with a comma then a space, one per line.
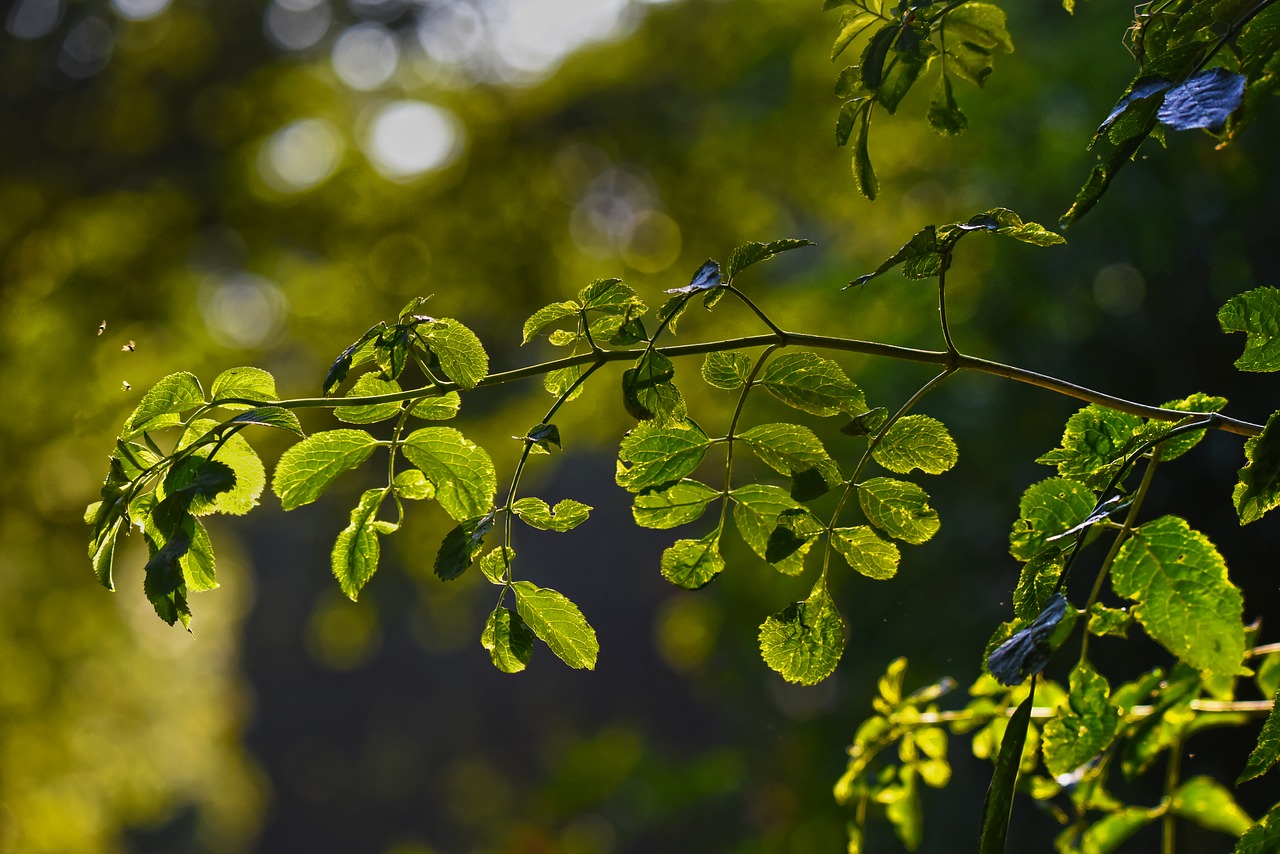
1262, 838
945, 115
871, 66
1182, 596
867, 423
271, 416
899, 508
306, 469
1257, 314
558, 623
852, 25
923, 244
863, 173
648, 391
461, 470
1258, 490
544, 435
804, 641
998, 805
338, 370
461, 545
1267, 751
238, 454
693, 563
391, 350
508, 640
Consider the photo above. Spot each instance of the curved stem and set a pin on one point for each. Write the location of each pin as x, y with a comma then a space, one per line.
733, 428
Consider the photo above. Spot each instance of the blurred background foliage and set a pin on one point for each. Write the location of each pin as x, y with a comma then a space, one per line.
241, 182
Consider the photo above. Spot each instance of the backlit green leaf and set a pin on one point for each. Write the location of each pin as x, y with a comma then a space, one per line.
1094, 443
726, 369
804, 641
368, 385
1262, 838
1258, 489
678, 504
306, 469
239, 456
899, 508
653, 454
1108, 833
789, 449
611, 297
102, 553
461, 470
252, 383
1084, 728
547, 315
810, 383
496, 563
866, 551
437, 408
753, 253
758, 512
566, 515
1209, 804
1182, 595
863, 173
413, 485
508, 639
1267, 751
462, 357
693, 563
162, 403
461, 545
558, 623
648, 391
1257, 314
271, 416
916, 442
559, 381
355, 553
198, 563
1046, 509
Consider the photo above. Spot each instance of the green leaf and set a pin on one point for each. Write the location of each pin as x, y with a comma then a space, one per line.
163, 402
899, 508
251, 383
653, 455
494, 565
238, 454
648, 391
1108, 833
271, 416
611, 297
726, 370
1046, 509
1267, 751
562, 338
1209, 804
547, 315
1175, 447
921, 253
568, 514
871, 65
753, 253
866, 551
195, 478
916, 442
338, 370
559, 381
198, 563
461, 545
693, 563
508, 639
1263, 837
462, 357
1182, 595
558, 623
1096, 440
368, 385
412, 484
678, 504
998, 805
1258, 489
438, 408
790, 449
945, 115
1109, 621
759, 510
810, 383
461, 470
804, 641
355, 553
863, 174
852, 25
1083, 729
981, 24
306, 469
102, 553
391, 350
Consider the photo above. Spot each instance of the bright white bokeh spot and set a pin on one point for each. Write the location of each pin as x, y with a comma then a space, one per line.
300, 155
87, 48
242, 310
31, 19
452, 34
409, 138
296, 24
365, 56
139, 10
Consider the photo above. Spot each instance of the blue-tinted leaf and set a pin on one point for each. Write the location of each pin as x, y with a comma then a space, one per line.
705, 278
1204, 101
1027, 652
1141, 90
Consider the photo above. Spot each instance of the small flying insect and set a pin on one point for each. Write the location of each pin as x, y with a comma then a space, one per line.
102, 327
124, 386
130, 347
